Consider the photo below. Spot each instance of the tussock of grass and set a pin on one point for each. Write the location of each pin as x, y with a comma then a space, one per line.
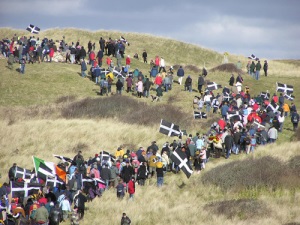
126, 109
263, 173
228, 67
243, 209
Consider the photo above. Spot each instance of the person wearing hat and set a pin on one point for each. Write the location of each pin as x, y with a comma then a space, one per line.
159, 174
188, 84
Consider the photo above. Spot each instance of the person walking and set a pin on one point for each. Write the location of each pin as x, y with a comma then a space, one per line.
125, 220
180, 75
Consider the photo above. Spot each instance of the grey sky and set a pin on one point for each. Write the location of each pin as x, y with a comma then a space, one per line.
267, 28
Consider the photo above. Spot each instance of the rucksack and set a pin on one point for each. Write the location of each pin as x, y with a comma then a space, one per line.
295, 119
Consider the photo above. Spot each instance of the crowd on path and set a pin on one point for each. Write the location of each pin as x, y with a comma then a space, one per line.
246, 122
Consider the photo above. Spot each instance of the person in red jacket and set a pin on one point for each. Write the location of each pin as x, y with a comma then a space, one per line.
158, 80
128, 61
92, 57
51, 54
131, 188
275, 98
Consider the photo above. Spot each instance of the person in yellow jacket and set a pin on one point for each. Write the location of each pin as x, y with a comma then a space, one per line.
286, 109
119, 153
152, 164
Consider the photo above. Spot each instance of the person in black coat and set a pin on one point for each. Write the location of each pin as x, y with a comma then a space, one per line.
79, 203
228, 142
200, 83
119, 86
82, 53
231, 80
142, 173
127, 172
55, 215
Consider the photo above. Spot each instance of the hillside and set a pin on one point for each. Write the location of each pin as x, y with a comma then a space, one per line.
52, 110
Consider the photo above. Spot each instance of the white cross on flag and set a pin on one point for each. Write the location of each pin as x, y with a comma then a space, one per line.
200, 115
54, 181
284, 88
234, 116
22, 173
23, 189
63, 158
179, 158
33, 29
213, 86
169, 129
265, 95
272, 107
257, 125
289, 96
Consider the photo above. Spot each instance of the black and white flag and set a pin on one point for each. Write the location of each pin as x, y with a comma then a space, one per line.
23, 189
200, 115
213, 86
289, 96
118, 74
169, 129
265, 95
22, 173
253, 57
124, 40
180, 159
284, 88
104, 71
106, 157
33, 29
227, 97
94, 181
234, 116
257, 125
63, 158
272, 107
54, 181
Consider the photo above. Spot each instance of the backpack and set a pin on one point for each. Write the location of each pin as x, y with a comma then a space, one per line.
295, 119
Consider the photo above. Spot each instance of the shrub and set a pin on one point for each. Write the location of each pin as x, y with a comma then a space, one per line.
243, 209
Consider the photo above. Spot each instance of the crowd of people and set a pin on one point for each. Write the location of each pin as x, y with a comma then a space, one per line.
246, 122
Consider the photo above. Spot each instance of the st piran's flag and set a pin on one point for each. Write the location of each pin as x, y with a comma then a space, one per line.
106, 157
22, 173
33, 29
289, 97
63, 158
179, 158
234, 116
169, 129
257, 125
54, 181
265, 95
213, 86
23, 189
284, 88
253, 57
272, 107
200, 115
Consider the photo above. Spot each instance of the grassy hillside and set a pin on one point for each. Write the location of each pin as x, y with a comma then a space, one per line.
52, 110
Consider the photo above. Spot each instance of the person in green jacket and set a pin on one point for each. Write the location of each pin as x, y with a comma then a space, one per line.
252, 69
257, 69
41, 215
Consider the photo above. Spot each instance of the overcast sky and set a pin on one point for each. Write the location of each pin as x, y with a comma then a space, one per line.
266, 28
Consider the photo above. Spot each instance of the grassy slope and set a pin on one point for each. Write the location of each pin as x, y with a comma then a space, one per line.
50, 134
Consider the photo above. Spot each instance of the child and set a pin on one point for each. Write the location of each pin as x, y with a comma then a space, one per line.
252, 143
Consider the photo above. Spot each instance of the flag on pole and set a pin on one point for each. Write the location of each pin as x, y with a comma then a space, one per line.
265, 95
63, 158
54, 181
289, 96
106, 157
200, 115
169, 129
43, 169
272, 107
180, 159
23, 189
33, 29
213, 86
22, 173
124, 40
284, 88
253, 57
257, 125
234, 116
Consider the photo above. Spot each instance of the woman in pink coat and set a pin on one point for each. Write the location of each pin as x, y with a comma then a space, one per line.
139, 86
